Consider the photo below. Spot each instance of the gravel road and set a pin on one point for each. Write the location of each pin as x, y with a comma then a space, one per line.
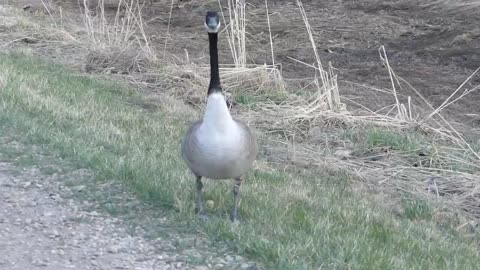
40, 228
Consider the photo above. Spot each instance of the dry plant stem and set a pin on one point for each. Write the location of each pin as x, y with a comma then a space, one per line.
317, 57
465, 93
127, 28
445, 103
236, 36
241, 31
270, 32
335, 93
400, 113
406, 115
168, 30
236, 32
455, 139
328, 95
49, 13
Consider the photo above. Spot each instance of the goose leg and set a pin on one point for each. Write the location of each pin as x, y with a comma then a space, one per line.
236, 192
199, 197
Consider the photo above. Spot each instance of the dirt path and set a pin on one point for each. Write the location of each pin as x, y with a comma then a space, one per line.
41, 230
41, 227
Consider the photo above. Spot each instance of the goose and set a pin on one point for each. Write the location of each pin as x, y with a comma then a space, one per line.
218, 146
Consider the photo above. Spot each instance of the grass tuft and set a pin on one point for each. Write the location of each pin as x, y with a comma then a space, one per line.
394, 140
416, 209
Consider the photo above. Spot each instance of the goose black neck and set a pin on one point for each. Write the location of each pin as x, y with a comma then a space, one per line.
214, 73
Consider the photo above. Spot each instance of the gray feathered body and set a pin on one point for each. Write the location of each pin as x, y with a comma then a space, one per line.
218, 159
219, 147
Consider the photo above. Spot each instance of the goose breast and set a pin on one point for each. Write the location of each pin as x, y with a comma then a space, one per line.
219, 153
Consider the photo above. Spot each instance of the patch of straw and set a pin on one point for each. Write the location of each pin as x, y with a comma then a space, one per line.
251, 78
126, 30
327, 92
236, 31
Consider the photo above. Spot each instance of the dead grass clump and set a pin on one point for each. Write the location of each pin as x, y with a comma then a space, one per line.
298, 114
40, 34
236, 31
425, 168
458, 190
241, 77
328, 97
19, 28
190, 81
254, 81
455, 6
118, 44
125, 30
116, 62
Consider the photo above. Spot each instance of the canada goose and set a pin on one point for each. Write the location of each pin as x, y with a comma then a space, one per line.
218, 146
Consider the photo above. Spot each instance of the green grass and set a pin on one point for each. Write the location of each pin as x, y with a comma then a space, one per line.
401, 142
287, 221
372, 137
417, 149
417, 209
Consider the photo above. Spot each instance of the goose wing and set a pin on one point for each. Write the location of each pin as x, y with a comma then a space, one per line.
190, 145
251, 140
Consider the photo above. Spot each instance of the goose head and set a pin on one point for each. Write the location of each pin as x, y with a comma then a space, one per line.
212, 22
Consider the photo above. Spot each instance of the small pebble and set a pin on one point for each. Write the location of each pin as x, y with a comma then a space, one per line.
244, 266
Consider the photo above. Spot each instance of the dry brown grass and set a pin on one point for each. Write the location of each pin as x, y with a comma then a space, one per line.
124, 33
